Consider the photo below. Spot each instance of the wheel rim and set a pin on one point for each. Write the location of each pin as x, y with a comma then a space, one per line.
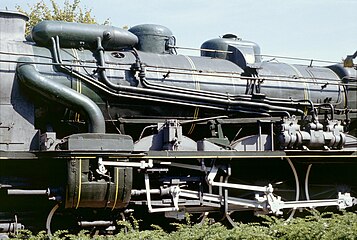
281, 173
49, 219
326, 181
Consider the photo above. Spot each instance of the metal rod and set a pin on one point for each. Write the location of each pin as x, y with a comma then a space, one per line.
95, 223
296, 58
200, 49
193, 72
141, 164
261, 78
28, 192
137, 192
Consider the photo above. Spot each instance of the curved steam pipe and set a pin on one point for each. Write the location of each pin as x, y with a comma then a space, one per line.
51, 90
185, 94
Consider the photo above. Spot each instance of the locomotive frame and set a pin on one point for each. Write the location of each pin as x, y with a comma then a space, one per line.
135, 124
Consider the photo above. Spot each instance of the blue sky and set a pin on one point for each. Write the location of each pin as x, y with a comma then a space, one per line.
318, 29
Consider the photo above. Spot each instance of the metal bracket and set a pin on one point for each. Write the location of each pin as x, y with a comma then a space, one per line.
101, 168
348, 62
172, 134
175, 192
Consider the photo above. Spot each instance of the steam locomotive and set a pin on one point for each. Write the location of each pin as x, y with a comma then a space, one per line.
97, 122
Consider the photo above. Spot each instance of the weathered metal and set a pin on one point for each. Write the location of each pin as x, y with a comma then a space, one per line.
81, 35
97, 120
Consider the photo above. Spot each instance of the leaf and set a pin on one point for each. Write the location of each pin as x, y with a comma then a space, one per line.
70, 12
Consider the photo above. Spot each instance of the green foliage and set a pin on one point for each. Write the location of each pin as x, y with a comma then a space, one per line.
71, 12
200, 231
325, 226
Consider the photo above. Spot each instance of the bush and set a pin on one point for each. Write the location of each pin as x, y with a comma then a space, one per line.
71, 12
314, 226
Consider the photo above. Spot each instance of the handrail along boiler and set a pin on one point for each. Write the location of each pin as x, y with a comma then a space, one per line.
97, 120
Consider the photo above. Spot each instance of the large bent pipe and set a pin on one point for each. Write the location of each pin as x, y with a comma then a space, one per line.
51, 90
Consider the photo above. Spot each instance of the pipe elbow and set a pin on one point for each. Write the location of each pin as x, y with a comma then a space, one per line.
32, 79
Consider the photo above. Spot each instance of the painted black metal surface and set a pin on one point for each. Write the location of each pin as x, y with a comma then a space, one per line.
96, 120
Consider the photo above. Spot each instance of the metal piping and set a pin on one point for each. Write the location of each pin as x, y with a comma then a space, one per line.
223, 102
101, 62
187, 96
51, 90
230, 103
239, 103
